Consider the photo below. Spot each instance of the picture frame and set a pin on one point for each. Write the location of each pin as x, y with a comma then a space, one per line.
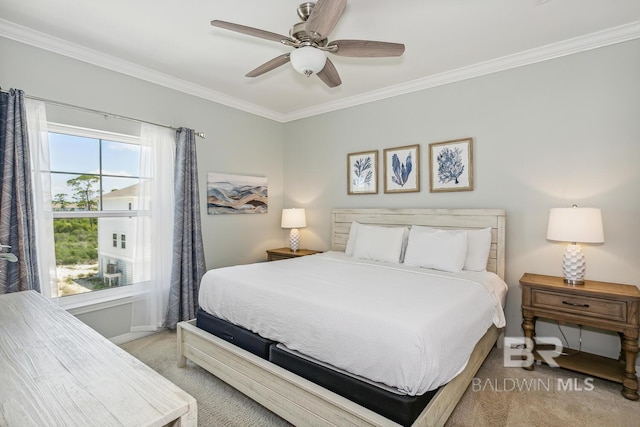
236, 194
402, 169
451, 164
362, 172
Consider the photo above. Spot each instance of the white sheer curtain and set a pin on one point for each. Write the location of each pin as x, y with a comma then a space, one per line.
39, 150
154, 228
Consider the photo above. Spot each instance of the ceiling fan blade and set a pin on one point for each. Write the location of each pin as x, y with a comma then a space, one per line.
324, 17
329, 75
250, 31
269, 65
367, 48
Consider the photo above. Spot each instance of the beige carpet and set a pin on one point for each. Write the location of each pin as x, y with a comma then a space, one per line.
499, 397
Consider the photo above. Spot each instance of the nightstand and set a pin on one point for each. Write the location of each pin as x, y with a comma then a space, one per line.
602, 305
286, 253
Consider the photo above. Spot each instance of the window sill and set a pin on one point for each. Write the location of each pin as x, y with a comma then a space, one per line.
96, 300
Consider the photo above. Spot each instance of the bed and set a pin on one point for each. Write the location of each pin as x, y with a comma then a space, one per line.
304, 402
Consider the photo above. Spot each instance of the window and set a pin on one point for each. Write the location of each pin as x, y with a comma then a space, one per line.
95, 178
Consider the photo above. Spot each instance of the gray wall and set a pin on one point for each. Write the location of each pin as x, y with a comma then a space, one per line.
546, 135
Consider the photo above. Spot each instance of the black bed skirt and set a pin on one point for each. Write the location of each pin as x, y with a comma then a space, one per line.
398, 408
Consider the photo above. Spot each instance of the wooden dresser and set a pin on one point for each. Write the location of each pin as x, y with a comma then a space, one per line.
602, 305
58, 371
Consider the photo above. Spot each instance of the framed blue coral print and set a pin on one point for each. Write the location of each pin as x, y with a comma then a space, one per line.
402, 169
451, 165
362, 172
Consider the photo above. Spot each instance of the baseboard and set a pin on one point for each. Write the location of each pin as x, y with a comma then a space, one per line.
131, 336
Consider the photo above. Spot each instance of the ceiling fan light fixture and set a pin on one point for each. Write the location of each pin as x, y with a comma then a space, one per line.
308, 60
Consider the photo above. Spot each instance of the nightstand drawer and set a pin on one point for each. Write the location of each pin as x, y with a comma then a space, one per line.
587, 306
277, 257
286, 253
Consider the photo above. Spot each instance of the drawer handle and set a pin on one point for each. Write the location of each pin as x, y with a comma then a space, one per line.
575, 305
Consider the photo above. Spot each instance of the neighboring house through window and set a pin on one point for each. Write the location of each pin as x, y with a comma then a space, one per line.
94, 181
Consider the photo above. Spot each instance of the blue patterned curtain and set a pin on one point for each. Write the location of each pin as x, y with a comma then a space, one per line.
188, 253
17, 224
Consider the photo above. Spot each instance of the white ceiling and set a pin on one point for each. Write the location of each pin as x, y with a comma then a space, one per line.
172, 43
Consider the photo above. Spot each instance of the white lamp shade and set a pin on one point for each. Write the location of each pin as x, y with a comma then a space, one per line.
293, 218
308, 60
576, 225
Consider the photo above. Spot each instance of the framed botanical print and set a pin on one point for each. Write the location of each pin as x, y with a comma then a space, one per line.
362, 172
402, 169
451, 164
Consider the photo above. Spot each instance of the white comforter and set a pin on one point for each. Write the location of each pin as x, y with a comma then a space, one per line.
410, 328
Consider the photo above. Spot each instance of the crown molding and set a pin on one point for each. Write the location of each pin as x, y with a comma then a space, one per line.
44, 41
596, 40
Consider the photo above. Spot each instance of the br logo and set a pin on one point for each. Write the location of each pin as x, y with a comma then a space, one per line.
518, 352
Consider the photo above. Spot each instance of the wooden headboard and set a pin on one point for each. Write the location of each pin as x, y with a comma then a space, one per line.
439, 218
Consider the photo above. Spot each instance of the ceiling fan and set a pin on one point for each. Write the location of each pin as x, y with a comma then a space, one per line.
309, 38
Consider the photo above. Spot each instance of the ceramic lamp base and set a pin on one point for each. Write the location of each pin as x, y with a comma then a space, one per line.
574, 265
294, 240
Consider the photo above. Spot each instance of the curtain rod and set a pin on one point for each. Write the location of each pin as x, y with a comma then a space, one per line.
101, 113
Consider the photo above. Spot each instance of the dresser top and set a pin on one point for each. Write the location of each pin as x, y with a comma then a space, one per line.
57, 370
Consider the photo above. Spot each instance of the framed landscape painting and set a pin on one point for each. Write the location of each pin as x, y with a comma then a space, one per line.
236, 194
402, 169
362, 172
451, 165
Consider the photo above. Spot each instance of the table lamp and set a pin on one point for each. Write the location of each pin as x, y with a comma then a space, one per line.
575, 225
294, 219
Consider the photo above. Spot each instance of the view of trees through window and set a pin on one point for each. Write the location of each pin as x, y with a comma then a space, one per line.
76, 241
94, 186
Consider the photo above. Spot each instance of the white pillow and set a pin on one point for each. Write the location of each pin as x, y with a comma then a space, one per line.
444, 250
353, 234
478, 247
379, 243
